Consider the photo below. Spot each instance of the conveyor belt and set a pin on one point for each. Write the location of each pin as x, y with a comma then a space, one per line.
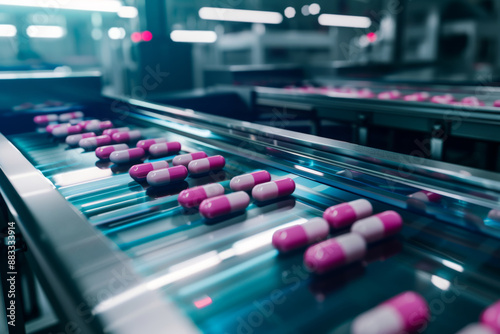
228, 278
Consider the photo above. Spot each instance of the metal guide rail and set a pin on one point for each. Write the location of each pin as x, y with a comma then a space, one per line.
87, 219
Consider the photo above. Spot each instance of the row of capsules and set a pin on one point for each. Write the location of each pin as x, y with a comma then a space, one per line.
405, 312
58, 119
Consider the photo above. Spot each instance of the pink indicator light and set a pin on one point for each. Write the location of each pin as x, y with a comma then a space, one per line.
372, 37
204, 302
136, 37
147, 36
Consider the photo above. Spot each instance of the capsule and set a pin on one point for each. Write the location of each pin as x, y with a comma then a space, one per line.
224, 204
496, 103
146, 143
248, 181
476, 328
63, 131
98, 125
127, 136
200, 166
104, 152
333, 253
379, 226
491, 317
443, 99
342, 215
414, 97
109, 132
70, 115
426, 196
472, 101
390, 95
44, 119
192, 197
365, 93
73, 140
164, 149
83, 124
140, 172
93, 142
273, 189
51, 127
185, 159
165, 176
297, 236
404, 313
126, 156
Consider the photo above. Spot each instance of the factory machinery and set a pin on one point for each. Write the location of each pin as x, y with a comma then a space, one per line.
119, 256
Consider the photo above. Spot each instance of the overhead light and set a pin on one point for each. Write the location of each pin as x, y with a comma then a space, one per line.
240, 15
128, 12
116, 33
193, 36
45, 31
290, 12
314, 9
8, 30
88, 5
349, 21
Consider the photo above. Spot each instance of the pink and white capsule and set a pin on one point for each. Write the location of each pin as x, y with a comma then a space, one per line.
126, 156
70, 115
44, 119
274, 189
472, 101
140, 172
104, 152
73, 140
164, 149
335, 252
63, 131
206, 165
297, 236
379, 226
51, 127
123, 137
390, 95
192, 197
83, 124
426, 196
185, 159
476, 328
98, 125
224, 204
496, 103
109, 132
248, 181
93, 142
404, 313
165, 176
491, 317
342, 215
146, 143
443, 99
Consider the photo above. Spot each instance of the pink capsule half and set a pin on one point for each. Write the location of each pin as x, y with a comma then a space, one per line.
126, 156
426, 196
192, 197
496, 103
123, 137
93, 142
98, 125
336, 252
476, 328
274, 189
297, 236
63, 131
109, 132
224, 204
248, 181
44, 119
73, 140
491, 317
140, 172
164, 149
146, 143
379, 226
185, 159
70, 115
342, 215
205, 165
404, 313
166, 176
104, 152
